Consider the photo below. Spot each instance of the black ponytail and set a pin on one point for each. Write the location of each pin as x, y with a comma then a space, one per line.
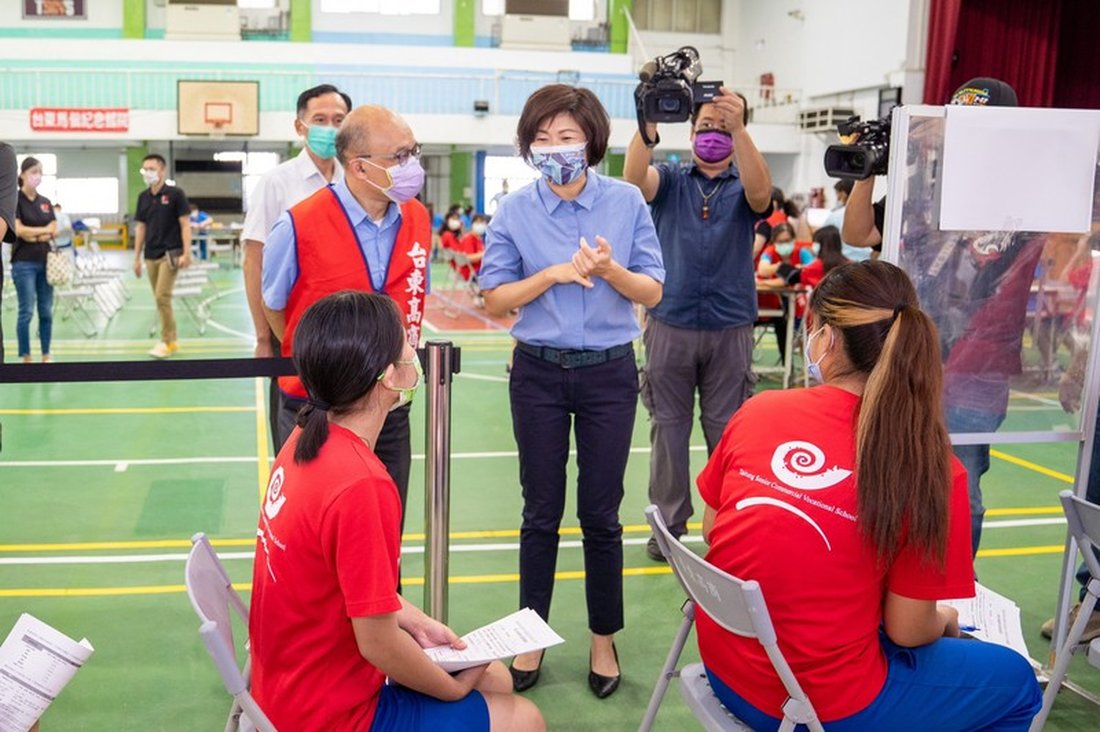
341, 345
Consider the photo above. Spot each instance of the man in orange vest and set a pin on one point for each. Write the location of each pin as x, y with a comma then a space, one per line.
366, 232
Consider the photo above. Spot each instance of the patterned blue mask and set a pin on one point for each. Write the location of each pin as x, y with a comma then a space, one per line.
561, 164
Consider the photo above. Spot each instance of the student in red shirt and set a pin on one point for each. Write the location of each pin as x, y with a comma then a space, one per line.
829, 251
852, 561
473, 246
326, 625
451, 231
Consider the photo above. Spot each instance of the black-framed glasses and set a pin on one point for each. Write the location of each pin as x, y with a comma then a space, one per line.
401, 157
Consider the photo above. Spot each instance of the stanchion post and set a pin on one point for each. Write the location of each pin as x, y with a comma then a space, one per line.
442, 362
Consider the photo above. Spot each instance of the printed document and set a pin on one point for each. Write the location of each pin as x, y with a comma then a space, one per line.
36, 662
991, 617
521, 632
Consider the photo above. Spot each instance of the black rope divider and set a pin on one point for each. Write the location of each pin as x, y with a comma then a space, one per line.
184, 369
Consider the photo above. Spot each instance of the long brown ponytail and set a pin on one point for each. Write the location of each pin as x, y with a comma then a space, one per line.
903, 454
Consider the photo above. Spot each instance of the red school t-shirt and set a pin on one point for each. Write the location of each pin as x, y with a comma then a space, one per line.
782, 482
327, 551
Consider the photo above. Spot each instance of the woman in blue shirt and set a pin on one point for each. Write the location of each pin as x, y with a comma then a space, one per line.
574, 250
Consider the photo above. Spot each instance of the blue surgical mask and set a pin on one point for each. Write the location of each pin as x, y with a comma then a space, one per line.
785, 249
816, 248
561, 164
814, 367
322, 141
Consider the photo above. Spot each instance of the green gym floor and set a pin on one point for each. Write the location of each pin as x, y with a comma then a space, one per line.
101, 486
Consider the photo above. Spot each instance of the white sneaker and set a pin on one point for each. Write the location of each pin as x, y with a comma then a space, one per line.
161, 350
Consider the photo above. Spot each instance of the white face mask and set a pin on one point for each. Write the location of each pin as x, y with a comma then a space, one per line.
479, 228
149, 176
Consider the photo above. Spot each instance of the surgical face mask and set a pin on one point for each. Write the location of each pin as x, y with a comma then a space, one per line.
149, 176
561, 164
406, 393
479, 228
322, 141
34, 180
454, 224
814, 367
785, 249
713, 146
816, 248
406, 180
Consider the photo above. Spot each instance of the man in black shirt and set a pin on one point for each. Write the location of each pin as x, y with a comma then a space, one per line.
8, 192
163, 233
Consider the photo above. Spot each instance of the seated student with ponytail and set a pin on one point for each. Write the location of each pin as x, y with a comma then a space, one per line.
327, 627
852, 514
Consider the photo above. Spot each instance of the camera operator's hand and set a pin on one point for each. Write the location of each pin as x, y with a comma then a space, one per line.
731, 109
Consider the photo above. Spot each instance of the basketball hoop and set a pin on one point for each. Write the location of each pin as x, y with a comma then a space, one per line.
218, 116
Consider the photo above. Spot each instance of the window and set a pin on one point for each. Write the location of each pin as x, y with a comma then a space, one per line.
678, 16
253, 167
87, 195
501, 169
580, 10
383, 7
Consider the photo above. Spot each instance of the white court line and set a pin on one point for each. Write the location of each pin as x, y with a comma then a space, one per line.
482, 377
248, 459
410, 549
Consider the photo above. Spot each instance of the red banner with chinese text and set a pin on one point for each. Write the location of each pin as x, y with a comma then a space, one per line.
53, 119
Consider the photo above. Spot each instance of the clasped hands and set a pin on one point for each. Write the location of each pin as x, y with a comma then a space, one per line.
586, 263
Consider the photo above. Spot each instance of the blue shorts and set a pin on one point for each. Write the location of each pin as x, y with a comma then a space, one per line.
952, 684
400, 709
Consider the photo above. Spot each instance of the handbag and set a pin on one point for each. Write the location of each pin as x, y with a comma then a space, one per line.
59, 267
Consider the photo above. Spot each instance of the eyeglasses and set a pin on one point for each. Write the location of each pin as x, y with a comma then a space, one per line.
401, 157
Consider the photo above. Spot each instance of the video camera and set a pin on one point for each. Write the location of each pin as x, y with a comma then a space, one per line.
869, 155
670, 90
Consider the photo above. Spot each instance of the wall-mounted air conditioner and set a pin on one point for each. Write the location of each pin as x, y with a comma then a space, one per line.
202, 20
541, 25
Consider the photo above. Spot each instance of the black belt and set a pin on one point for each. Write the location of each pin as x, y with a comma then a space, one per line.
574, 359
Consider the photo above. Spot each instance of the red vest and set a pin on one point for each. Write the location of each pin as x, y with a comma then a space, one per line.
330, 260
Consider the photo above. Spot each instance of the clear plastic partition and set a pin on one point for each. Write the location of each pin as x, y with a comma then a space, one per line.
1014, 309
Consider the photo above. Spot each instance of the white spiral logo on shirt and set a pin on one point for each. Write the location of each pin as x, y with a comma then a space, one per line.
275, 498
799, 464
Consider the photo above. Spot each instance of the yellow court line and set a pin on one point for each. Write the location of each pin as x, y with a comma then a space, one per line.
1038, 510
263, 469
125, 410
24, 592
1032, 466
513, 533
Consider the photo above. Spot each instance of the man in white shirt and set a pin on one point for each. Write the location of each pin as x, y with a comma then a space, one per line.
321, 110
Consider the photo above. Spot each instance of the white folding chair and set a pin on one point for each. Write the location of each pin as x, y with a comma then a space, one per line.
1084, 525
736, 605
213, 597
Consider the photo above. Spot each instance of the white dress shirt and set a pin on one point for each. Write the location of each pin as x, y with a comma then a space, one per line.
285, 185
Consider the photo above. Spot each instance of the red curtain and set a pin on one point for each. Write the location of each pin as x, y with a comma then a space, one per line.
1077, 82
943, 23
1012, 40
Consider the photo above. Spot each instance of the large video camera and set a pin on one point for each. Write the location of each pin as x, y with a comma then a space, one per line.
669, 88
869, 155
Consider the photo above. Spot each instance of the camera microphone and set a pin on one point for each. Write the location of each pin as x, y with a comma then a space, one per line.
649, 68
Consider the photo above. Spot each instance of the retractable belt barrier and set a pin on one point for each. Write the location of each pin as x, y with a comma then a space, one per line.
440, 360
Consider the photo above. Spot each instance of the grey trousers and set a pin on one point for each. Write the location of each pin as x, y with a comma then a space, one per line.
678, 361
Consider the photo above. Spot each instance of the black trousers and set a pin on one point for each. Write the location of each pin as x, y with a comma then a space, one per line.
394, 446
599, 404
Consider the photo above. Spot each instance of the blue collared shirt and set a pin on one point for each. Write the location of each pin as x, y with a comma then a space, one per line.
534, 229
377, 240
711, 279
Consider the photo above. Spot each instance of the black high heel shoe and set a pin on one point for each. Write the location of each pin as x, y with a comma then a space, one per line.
524, 680
604, 686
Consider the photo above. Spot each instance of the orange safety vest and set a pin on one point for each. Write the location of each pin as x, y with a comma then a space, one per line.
330, 260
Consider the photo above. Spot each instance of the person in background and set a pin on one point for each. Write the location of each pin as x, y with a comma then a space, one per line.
201, 223
829, 252
472, 246
699, 338
451, 231
835, 218
320, 111
64, 238
326, 625
874, 532
779, 265
491, 208
35, 228
162, 234
574, 250
9, 192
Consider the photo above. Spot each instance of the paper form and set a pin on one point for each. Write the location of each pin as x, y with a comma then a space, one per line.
36, 662
521, 632
995, 619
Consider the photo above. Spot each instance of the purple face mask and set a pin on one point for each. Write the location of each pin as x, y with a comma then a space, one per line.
406, 180
713, 146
